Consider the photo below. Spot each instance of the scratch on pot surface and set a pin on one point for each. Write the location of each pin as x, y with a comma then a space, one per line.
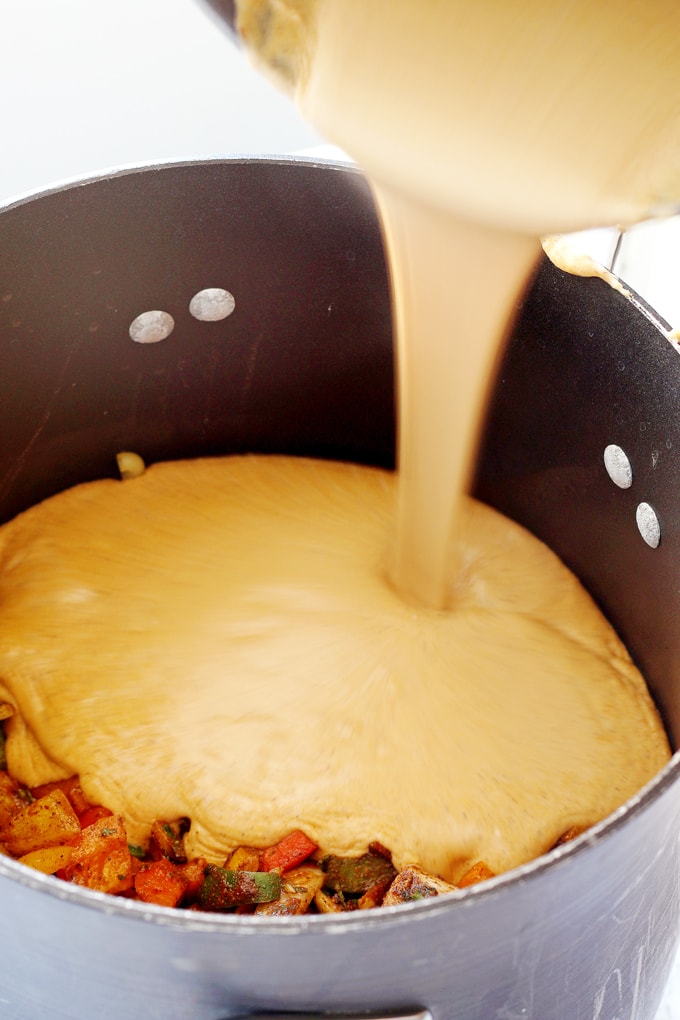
602, 995
21, 457
638, 977
640, 877
527, 960
635, 972
135, 396
250, 371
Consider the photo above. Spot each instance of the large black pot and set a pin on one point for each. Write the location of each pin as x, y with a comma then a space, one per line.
304, 365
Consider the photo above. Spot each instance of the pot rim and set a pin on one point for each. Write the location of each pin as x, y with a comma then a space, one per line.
151, 167
328, 924
334, 924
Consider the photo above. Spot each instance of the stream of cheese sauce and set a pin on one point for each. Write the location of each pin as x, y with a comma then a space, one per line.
481, 127
263, 644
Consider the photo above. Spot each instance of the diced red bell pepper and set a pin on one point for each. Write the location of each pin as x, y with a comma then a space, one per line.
289, 852
94, 814
479, 872
71, 787
161, 882
193, 873
166, 839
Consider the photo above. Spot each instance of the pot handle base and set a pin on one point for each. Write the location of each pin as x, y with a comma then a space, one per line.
417, 1014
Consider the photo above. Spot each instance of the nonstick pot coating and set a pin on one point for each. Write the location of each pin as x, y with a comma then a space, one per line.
304, 365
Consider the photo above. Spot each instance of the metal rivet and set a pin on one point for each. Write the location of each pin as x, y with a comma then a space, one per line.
618, 466
212, 304
648, 524
151, 327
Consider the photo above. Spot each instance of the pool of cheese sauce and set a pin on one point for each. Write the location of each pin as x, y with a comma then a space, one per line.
217, 639
267, 643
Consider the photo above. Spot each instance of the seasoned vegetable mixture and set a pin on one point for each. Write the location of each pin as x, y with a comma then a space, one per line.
54, 829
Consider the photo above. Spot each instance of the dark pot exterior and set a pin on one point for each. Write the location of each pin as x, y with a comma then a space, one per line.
304, 365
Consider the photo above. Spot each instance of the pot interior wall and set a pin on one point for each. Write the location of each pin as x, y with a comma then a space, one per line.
304, 365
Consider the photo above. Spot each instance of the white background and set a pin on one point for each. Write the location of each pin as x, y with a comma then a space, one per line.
87, 86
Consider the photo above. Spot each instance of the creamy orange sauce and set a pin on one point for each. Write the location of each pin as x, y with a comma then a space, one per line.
565, 252
216, 639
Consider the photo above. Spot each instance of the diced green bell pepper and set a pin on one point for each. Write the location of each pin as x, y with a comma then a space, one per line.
223, 888
355, 875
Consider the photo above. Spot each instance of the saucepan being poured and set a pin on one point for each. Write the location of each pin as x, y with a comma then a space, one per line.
481, 130
408, 642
